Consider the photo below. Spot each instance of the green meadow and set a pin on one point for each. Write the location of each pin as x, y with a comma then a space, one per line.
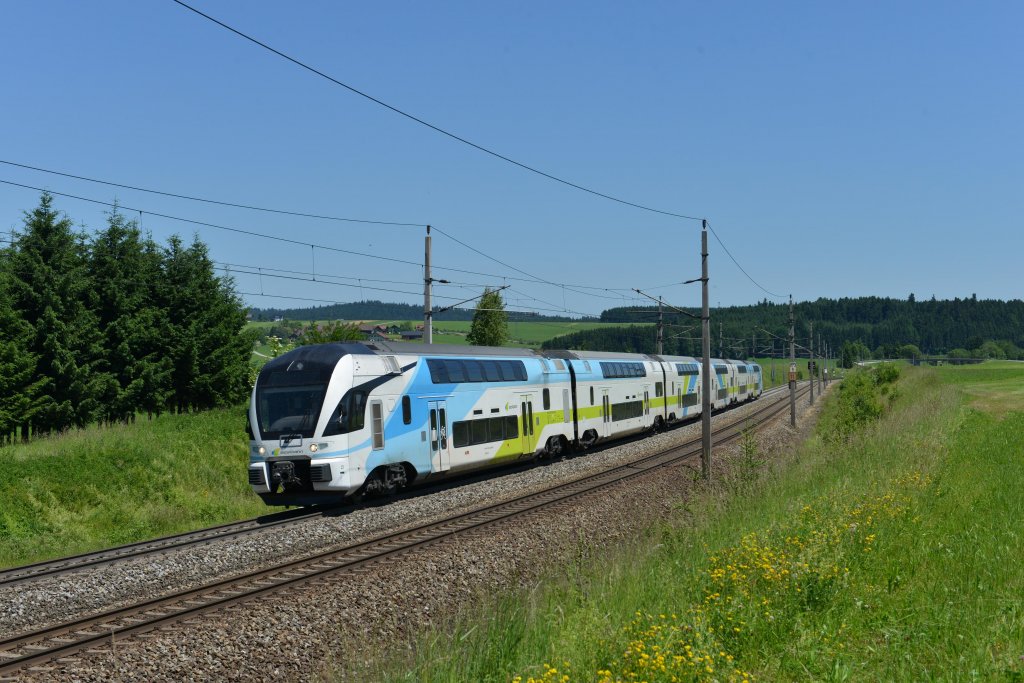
888, 547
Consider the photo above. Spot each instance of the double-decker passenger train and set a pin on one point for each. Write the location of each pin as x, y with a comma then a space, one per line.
332, 420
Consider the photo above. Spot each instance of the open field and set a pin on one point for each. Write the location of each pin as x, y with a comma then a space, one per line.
995, 387
893, 554
521, 334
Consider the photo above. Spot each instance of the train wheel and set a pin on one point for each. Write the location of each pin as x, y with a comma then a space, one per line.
555, 447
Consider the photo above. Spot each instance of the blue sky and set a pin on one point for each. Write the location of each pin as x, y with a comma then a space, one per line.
837, 150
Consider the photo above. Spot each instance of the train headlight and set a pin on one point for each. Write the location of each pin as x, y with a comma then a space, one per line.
313, 448
261, 450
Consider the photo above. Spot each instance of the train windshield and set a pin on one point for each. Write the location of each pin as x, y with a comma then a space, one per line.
289, 410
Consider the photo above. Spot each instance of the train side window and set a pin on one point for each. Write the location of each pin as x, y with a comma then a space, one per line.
456, 371
377, 424
491, 371
433, 429
460, 434
473, 371
406, 410
659, 389
349, 415
479, 431
444, 430
547, 400
511, 427
496, 429
591, 395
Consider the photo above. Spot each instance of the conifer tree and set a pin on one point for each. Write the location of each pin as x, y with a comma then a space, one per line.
20, 389
124, 273
209, 352
49, 283
490, 321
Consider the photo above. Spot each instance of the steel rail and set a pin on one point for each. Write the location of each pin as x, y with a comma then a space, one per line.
161, 545
60, 641
174, 542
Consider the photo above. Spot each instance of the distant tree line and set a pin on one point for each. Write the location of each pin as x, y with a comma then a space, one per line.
864, 328
101, 328
887, 328
378, 310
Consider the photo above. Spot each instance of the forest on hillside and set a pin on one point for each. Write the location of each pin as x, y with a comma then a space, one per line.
101, 327
881, 325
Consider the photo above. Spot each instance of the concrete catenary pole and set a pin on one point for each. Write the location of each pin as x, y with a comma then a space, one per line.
705, 327
428, 316
810, 363
792, 365
661, 329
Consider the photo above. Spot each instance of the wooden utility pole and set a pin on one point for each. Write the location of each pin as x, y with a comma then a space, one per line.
428, 315
810, 363
705, 327
792, 365
661, 329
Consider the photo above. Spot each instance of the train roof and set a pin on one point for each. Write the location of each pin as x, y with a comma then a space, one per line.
598, 355
420, 349
331, 352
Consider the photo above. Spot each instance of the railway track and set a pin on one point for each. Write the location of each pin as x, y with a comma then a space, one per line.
166, 544
29, 649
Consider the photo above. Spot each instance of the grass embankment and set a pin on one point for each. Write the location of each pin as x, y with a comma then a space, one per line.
100, 487
890, 549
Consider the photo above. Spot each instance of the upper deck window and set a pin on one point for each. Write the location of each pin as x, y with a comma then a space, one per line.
615, 369
457, 370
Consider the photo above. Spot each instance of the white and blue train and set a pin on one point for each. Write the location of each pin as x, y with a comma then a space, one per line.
332, 420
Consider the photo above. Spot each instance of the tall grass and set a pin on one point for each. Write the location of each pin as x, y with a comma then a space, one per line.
893, 553
99, 487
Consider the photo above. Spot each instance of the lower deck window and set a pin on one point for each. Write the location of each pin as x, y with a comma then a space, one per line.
486, 430
627, 410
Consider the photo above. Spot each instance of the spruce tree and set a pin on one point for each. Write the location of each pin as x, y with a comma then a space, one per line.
490, 321
49, 286
20, 389
124, 273
208, 349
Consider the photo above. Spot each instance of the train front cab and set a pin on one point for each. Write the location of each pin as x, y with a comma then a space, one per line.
300, 452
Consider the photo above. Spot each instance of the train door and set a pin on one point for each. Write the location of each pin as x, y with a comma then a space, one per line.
439, 457
606, 414
529, 439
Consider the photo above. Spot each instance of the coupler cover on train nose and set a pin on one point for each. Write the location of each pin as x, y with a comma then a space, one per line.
282, 473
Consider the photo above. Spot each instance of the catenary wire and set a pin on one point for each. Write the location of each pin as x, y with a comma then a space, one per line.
729, 253
212, 201
212, 225
531, 278
425, 123
286, 212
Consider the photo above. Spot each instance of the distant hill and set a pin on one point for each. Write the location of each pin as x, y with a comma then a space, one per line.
378, 310
934, 326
